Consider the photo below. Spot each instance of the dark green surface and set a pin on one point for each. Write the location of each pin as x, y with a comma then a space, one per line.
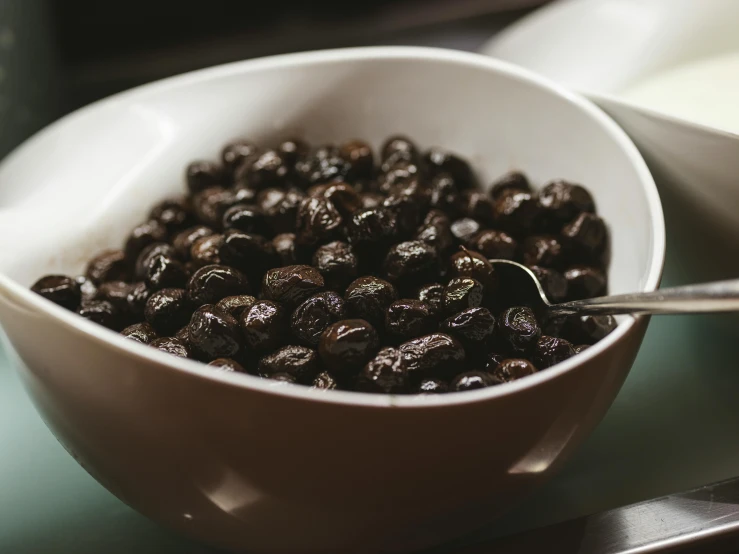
673, 426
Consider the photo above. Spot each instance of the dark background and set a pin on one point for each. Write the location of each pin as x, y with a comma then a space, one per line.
67, 53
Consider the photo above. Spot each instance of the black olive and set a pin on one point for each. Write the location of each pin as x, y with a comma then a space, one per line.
292, 284
585, 282
206, 250
468, 263
210, 205
552, 350
109, 265
347, 345
412, 262
433, 355
235, 305
432, 295
227, 364
314, 315
168, 310
337, 263
184, 240
560, 202
460, 294
474, 327
238, 153
431, 386
436, 231
588, 236
172, 346
202, 175
317, 221
398, 149
103, 313
212, 282
142, 236
440, 161
478, 206
472, 380
324, 381
325, 165
444, 195
298, 361
588, 329
263, 325
514, 368
268, 170
247, 252
407, 318
292, 150
368, 298
174, 214
280, 208
544, 251
60, 289
495, 245
552, 281
385, 373
140, 332
163, 272
464, 230
360, 158
288, 251
213, 333
344, 198
518, 330
247, 218
516, 212
513, 181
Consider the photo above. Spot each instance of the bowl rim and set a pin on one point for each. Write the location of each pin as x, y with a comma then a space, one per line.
15, 293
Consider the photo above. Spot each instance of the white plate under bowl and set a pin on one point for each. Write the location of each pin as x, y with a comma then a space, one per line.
599, 48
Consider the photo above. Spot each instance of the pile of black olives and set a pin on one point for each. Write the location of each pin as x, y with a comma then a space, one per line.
339, 269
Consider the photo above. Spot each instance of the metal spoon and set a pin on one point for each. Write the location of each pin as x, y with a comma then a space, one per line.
719, 296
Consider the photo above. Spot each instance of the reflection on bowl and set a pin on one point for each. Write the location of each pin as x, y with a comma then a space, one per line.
227, 458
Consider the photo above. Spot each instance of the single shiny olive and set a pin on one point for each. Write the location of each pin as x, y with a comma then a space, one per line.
347, 345
360, 158
235, 305
143, 261
174, 214
268, 170
518, 330
317, 221
444, 195
407, 319
280, 208
474, 327
103, 313
201, 175
433, 355
338, 264
552, 350
109, 265
136, 299
435, 230
60, 289
292, 285
495, 245
560, 202
385, 373
371, 231
206, 251
439, 161
460, 294
247, 252
513, 368
238, 153
116, 292
585, 282
325, 165
292, 150
172, 346
344, 198
210, 205
464, 230
299, 361
468, 263
588, 329
140, 332
587, 235
398, 149
324, 381
431, 386
513, 181
213, 334
247, 218
163, 272
412, 263
142, 236
184, 240
311, 318
432, 295
212, 282
516, 212
263, 326
472, 380
227, 364
288, 251
544, 251
478, 206
402, 174
168, 310
368, 298
552, 282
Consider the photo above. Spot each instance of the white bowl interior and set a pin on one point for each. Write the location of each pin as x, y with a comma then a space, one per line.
605, 46
80, 185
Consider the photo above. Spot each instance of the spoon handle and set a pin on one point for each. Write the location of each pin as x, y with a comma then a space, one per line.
720, 296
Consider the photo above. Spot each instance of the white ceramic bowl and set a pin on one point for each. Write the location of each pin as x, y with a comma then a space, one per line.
232, 460
600, 49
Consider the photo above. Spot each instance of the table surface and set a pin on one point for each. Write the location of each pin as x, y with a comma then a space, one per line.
673, 426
